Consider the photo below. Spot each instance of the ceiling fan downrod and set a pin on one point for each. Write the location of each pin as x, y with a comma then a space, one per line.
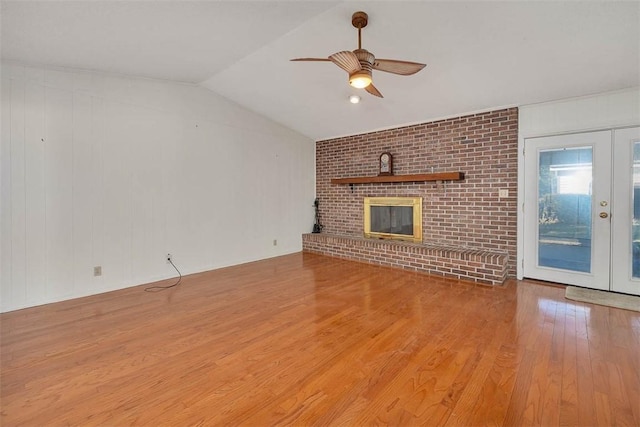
359, 20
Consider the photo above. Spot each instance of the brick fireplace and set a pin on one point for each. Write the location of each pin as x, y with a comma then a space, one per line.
471, 229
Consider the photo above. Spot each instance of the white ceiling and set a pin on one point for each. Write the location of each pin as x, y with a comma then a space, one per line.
479, 54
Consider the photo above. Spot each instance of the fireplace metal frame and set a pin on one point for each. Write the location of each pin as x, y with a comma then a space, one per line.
413, 202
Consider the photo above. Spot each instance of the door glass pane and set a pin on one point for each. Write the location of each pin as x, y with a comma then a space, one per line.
635, 202
564, 208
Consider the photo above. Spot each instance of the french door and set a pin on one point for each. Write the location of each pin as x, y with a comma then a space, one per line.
582, 209
625, 248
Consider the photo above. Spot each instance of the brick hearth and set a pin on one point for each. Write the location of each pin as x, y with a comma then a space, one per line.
459, 263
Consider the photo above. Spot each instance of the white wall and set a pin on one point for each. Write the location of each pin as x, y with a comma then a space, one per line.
611, 110
118, 171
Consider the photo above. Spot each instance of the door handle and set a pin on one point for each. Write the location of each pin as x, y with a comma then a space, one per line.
604, 215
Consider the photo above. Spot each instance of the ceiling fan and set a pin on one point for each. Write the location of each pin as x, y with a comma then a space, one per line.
360, 63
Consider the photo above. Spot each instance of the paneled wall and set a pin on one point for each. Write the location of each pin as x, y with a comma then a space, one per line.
466, 214
100, 170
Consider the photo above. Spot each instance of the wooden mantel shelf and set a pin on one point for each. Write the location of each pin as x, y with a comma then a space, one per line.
440, 176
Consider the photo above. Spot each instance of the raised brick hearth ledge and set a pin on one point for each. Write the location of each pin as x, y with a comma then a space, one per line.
459, 263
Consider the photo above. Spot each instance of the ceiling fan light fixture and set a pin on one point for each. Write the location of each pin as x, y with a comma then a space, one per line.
354, 99
360, 79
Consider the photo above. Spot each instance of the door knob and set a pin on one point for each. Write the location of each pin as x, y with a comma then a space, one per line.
604, 215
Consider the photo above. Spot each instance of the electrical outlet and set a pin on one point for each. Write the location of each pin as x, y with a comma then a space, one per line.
97, 270
275, 242
503, 193
168, 258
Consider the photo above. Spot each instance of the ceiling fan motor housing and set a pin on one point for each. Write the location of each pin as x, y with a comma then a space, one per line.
366, 59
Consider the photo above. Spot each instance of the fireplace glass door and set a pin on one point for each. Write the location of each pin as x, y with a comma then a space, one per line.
392, 219
397, 218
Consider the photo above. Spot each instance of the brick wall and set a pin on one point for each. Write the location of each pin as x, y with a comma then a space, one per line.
466, 214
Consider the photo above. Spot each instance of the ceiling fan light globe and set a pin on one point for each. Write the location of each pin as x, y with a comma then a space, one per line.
359, 80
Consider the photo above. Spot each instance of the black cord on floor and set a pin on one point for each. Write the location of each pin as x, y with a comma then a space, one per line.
162, 288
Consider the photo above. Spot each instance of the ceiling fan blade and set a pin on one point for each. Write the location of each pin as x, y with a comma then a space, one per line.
346, 60
373, 91
404, 68
310, 59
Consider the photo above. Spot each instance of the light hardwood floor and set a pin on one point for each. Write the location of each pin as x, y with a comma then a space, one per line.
311, 340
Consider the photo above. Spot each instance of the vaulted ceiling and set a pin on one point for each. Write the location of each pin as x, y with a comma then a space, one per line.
479, 54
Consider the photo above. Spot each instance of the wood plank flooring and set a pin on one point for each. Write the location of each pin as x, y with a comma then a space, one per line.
311, 340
